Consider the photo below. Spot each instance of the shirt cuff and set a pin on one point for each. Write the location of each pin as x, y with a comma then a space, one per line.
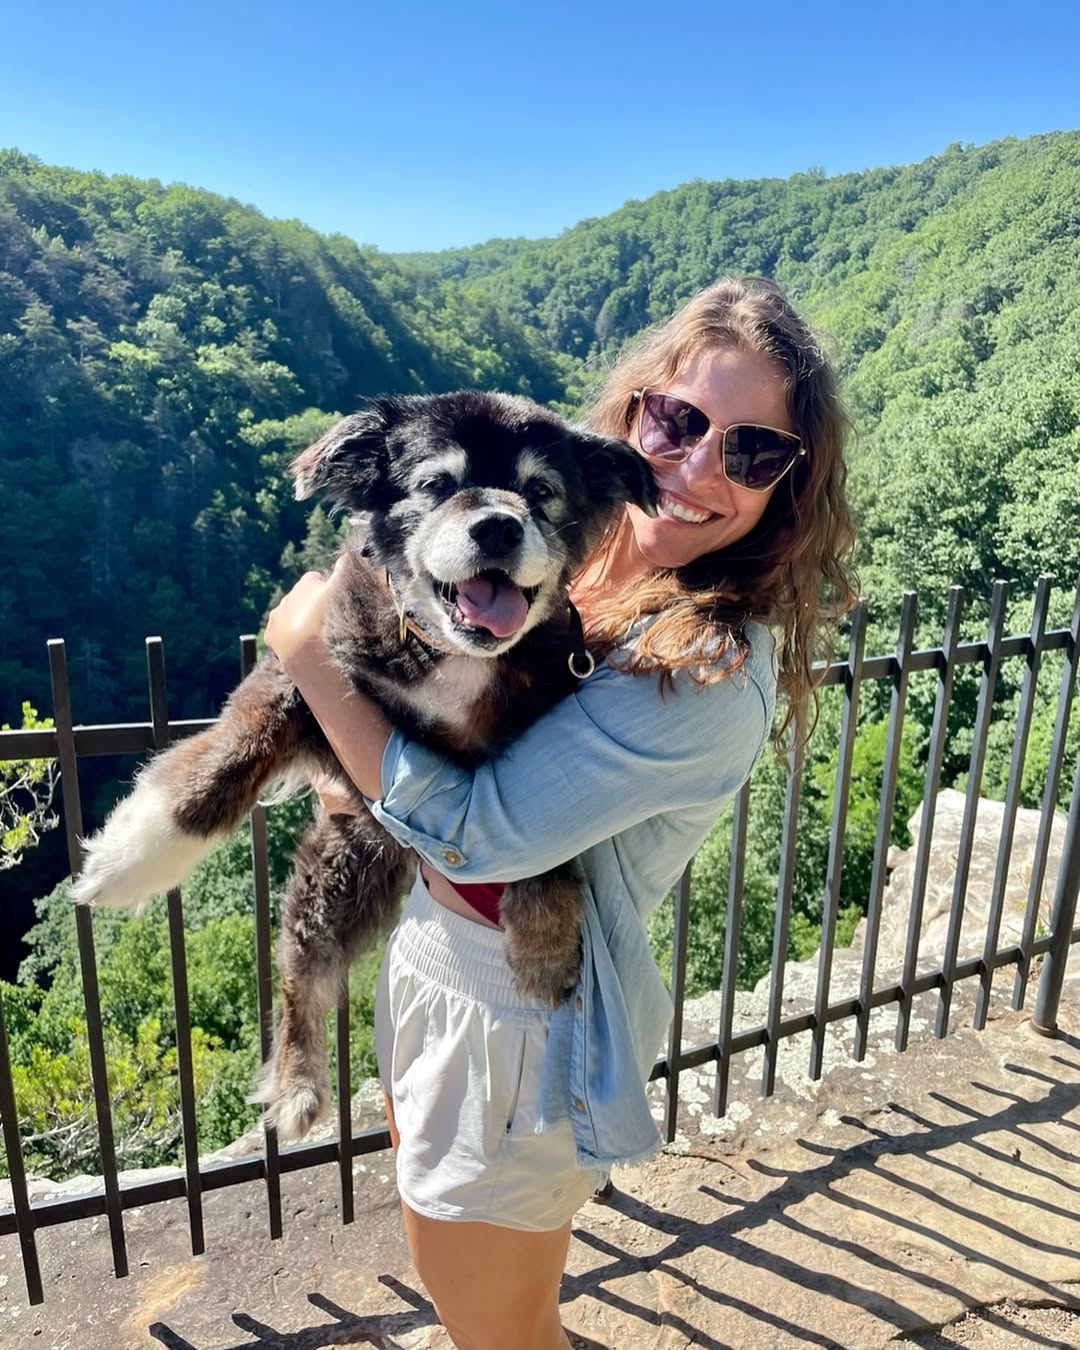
409, 773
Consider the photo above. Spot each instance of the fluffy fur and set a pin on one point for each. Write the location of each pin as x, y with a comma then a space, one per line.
471, 513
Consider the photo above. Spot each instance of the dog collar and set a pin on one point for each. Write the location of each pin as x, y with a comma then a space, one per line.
580, 660
408, 627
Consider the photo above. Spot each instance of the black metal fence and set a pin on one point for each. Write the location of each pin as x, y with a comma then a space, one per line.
69, 744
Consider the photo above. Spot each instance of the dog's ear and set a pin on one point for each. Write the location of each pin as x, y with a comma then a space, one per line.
351, 462
614, 472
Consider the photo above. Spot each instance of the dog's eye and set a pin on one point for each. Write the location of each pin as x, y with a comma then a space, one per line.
441, 484
539, 489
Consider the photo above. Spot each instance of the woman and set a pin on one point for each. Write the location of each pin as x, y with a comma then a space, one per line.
505, 1115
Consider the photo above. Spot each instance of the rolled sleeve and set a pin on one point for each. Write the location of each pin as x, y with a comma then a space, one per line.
604, 759
415, 780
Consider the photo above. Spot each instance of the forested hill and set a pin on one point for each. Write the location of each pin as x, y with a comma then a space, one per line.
163, 350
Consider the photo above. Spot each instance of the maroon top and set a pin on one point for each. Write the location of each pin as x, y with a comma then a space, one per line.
483, 896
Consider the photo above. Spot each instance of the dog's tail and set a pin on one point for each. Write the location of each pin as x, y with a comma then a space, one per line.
196, 793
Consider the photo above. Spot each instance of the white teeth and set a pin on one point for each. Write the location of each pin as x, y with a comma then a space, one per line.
671, 507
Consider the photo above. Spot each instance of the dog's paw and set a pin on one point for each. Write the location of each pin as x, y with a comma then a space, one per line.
291, 1108
297, 1112
110, 876
550, 978
141, 852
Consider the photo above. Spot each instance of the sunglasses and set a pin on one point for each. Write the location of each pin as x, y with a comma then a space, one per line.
755, 458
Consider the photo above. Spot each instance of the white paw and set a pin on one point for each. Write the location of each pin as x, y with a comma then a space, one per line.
292, 1111
297, 1111
140, 852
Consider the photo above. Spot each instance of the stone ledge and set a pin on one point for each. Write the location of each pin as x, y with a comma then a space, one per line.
884, 1202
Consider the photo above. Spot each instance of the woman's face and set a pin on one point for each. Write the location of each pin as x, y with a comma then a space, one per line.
699, 510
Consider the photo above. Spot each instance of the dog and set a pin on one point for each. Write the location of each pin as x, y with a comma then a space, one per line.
471, 511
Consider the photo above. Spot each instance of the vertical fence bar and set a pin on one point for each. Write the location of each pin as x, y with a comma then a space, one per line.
678, 986
983, 714
344, 1102
159, 717
938, 731
24, 1215
1049, 798
1062, 917
1012, 798
889, 771
732, 932
782, 921
84, 931
835, 863
263, 980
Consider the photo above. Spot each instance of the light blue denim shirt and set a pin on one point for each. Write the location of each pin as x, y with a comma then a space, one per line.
630, 783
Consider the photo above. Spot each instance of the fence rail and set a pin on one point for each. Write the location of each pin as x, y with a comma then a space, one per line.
69, 744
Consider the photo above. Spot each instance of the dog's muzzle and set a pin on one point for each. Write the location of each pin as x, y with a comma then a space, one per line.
487, 565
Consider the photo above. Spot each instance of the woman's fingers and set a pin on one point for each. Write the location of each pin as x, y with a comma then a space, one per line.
297, 618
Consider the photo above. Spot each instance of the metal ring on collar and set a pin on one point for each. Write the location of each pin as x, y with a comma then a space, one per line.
590, 665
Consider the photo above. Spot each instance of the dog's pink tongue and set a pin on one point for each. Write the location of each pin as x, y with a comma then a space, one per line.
501, 609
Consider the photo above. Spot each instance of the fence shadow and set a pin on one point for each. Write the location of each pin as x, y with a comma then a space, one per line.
937, 1143
347, 1328
927, 1139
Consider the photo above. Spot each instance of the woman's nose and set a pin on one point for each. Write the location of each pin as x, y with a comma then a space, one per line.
705, 463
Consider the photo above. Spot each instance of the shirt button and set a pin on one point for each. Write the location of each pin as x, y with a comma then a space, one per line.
578, 1003
579, 1105
453, 857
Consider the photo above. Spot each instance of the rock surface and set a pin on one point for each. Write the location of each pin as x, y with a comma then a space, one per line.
884, 1202
941, 875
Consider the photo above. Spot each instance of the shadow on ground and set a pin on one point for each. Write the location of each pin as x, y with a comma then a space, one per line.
883, 1203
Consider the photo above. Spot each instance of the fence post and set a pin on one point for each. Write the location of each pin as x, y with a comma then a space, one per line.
185, 1068
84, 933
1049, 798
834, 865
1062, 918
264, 996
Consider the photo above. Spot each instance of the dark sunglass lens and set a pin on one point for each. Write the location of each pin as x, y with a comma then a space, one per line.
755, 457
670, 427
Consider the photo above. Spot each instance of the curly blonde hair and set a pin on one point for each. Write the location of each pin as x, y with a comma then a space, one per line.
792, 570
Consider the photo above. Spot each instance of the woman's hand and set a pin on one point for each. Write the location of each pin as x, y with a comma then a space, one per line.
296, 622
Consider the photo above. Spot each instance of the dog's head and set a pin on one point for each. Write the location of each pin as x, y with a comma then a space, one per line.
481, 505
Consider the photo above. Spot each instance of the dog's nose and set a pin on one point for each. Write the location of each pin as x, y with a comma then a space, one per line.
497, 534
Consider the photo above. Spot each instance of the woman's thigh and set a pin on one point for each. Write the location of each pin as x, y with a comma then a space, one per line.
492, 1287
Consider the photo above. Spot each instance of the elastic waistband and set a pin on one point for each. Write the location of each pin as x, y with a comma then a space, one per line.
464, 957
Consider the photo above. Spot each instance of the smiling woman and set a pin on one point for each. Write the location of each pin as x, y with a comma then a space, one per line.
503, 1112
753, 521
701, 507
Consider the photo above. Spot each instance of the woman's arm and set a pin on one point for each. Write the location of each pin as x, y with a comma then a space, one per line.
604, 759
353, 724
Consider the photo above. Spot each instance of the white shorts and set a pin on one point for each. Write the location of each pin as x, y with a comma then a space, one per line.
460, 1052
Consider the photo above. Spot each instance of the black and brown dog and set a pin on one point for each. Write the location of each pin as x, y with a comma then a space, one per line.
472, 511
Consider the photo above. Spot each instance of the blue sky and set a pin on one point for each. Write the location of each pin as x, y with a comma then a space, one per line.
422, 125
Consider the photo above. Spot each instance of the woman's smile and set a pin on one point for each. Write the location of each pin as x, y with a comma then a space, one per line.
679, 509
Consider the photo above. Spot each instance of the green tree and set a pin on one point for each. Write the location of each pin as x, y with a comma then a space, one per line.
26, 793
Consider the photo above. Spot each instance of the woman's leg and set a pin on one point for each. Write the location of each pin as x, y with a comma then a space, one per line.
492, 1287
